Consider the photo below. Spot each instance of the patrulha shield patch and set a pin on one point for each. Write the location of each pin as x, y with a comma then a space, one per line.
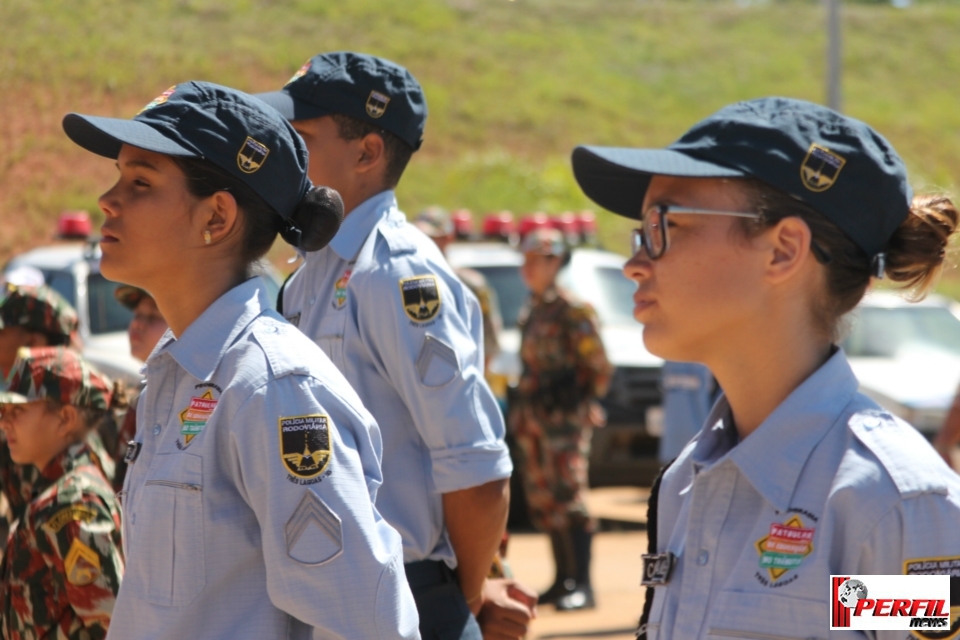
305, 444
421, 297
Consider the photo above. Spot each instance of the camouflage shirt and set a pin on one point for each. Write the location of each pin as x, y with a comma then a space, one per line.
565, 367
62, 569
20, 483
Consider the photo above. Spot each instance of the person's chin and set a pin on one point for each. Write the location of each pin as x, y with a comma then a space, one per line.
658, 341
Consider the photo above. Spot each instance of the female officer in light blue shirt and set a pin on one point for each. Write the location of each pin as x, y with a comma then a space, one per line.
248, 503
760, 228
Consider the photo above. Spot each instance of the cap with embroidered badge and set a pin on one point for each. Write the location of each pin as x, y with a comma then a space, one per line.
364, 87
838, 165
203, 120
59, 374
39, 309
545, 242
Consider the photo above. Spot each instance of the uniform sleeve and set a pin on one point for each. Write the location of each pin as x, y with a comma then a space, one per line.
424, 337
332, 562
917, 536
593, 368
81, 544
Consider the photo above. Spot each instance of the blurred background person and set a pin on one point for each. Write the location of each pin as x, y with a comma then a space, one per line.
33, 317
947, 439
146, 328
565, 371
689, 391
436, 223
63, 566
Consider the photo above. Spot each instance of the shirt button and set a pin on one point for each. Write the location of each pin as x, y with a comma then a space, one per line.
156, 429
312, 300
703, 557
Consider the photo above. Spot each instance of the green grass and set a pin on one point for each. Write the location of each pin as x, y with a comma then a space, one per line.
512, 86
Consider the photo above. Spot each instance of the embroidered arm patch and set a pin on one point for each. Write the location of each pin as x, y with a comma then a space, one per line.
314, 533
437, 363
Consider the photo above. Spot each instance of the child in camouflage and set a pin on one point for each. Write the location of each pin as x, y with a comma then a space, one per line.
63, 564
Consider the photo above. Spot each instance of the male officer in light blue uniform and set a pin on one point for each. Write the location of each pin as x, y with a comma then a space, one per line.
406, 332
689, 391
249, 498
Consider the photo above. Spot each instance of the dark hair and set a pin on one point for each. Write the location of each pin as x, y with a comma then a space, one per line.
396, 151
313, 224
914, 254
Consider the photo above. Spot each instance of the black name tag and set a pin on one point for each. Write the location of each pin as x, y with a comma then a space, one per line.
133, 450
657, 568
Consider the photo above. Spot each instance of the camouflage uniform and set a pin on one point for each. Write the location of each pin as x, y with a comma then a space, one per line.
63, 564
565, 369
41, 310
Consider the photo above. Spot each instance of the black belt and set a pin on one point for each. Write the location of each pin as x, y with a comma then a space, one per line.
428, 572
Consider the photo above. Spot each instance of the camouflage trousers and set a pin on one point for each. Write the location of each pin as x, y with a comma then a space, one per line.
554, 471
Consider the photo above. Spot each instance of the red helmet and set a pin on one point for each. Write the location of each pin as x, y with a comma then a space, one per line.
499, 226
462, 223
538, 220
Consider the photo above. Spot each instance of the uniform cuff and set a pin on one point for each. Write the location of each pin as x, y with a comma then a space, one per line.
464, 467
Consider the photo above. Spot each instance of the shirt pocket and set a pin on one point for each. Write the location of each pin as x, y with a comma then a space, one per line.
167, 564
330, 337
738, 615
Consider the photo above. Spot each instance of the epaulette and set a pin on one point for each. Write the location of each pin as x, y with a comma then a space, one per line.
398, 238
274, 336
904, 453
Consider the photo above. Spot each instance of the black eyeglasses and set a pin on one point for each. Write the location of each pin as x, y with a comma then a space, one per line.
653, 237
652, 234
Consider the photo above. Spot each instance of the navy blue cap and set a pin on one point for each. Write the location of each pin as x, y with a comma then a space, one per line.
361, 86
231, 129
839, 166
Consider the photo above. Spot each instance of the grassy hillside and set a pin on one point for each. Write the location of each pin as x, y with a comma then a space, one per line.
512, 85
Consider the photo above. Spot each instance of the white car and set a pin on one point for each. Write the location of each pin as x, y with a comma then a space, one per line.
907, 356
73, 270
625, 451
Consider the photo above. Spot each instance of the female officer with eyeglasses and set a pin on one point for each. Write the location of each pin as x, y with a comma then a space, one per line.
249, 497
760, 229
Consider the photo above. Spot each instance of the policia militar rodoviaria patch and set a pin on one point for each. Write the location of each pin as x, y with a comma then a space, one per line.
305, 446
421, 297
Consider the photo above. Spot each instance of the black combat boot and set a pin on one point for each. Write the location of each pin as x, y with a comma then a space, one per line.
563, 559
581, 597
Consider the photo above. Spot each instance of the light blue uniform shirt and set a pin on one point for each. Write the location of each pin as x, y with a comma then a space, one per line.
383, 303
688, 394
248, 512
828, 484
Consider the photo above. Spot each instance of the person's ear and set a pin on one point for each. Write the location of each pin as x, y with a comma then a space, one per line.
788, 248
217, 217
68, 421
372, 153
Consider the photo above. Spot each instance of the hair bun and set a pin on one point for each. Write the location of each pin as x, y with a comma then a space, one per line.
315, 221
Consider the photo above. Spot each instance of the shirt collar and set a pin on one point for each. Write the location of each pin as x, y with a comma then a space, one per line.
793, 430
204, 342
76, 455
360, 222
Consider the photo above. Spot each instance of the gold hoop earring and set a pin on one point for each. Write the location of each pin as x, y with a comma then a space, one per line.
206, 237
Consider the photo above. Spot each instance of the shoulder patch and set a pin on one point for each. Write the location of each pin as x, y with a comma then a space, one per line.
904, 453
73, 513
944, 565
82, 564
421, 297
305, 448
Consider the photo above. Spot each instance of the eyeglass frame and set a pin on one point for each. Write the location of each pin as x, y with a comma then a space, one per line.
638, 239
